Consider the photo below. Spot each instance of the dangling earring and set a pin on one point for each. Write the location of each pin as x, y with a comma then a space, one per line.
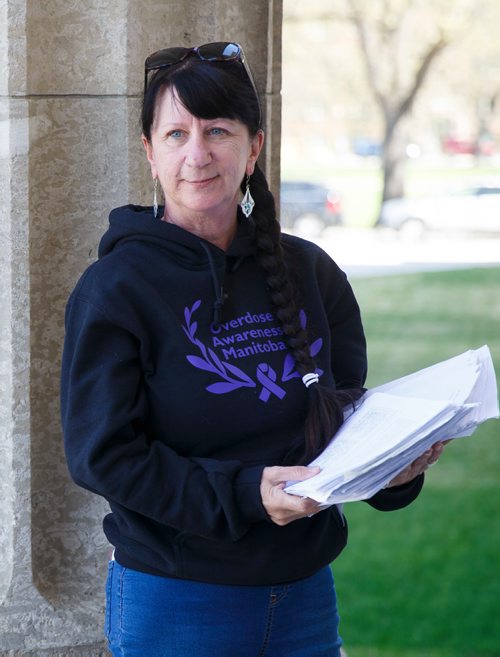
247, 203
155, 198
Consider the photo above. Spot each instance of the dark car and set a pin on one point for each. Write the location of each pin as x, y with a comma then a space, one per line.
306, 200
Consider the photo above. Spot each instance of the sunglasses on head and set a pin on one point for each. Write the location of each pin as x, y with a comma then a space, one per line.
219, 51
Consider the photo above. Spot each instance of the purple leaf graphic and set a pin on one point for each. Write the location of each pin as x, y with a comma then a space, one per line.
210, 361
237, 372
316, 346
200, 346
222, 388
293, 375
289, 371
288, 367
216, 360
188, 313
201, 364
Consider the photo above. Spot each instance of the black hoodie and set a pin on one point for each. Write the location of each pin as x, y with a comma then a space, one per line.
178, 389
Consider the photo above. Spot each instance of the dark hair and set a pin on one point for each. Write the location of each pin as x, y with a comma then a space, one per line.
209, 90
222, 89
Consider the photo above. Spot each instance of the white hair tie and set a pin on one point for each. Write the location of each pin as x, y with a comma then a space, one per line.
310, 378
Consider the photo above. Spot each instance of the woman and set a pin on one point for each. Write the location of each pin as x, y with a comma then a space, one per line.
208, 358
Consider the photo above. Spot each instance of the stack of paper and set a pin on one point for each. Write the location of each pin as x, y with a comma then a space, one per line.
398, 421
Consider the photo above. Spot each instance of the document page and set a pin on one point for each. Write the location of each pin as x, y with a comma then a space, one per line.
396, 422
383, 425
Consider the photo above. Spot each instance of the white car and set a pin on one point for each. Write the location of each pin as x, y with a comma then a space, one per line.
476, 210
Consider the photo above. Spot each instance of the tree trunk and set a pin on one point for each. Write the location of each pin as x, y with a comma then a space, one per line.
394, 163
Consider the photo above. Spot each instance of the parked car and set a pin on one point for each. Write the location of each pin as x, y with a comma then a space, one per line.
484, 145
476, 210
366, 147
302, 200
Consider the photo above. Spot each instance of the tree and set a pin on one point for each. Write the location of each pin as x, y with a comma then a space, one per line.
400, 44
393, 78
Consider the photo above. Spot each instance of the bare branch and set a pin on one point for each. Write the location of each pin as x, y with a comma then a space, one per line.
368, 60
421, 74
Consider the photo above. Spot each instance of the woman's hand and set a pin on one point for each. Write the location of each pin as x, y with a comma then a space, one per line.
282, 507
418, 466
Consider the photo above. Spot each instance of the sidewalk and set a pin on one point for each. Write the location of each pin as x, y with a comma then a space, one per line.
379, 252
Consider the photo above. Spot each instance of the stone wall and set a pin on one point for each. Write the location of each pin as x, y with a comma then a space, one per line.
71, 74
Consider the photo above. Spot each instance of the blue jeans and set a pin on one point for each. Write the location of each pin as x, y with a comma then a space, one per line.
150, 616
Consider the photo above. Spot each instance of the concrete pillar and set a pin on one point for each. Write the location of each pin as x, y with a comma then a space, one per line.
70, 83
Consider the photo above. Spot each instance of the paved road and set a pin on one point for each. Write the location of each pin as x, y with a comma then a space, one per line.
364, 252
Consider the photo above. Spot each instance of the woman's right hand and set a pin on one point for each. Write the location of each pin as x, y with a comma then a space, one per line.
282, 507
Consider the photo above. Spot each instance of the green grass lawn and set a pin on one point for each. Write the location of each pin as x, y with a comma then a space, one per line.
425, 581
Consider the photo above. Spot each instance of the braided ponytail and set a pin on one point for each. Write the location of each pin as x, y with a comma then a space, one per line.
326, 406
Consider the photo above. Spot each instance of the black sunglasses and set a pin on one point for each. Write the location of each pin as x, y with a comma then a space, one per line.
219, 51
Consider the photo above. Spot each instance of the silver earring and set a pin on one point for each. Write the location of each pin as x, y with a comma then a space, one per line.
247, 203
155, 198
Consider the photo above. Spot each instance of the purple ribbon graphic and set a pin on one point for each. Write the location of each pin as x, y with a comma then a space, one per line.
267, 376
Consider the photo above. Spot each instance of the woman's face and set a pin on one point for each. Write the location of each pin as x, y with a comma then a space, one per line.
200, 163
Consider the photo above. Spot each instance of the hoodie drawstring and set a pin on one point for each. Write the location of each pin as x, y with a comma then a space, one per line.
218, 291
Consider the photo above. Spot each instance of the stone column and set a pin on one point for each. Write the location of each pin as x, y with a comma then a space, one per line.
70, 84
